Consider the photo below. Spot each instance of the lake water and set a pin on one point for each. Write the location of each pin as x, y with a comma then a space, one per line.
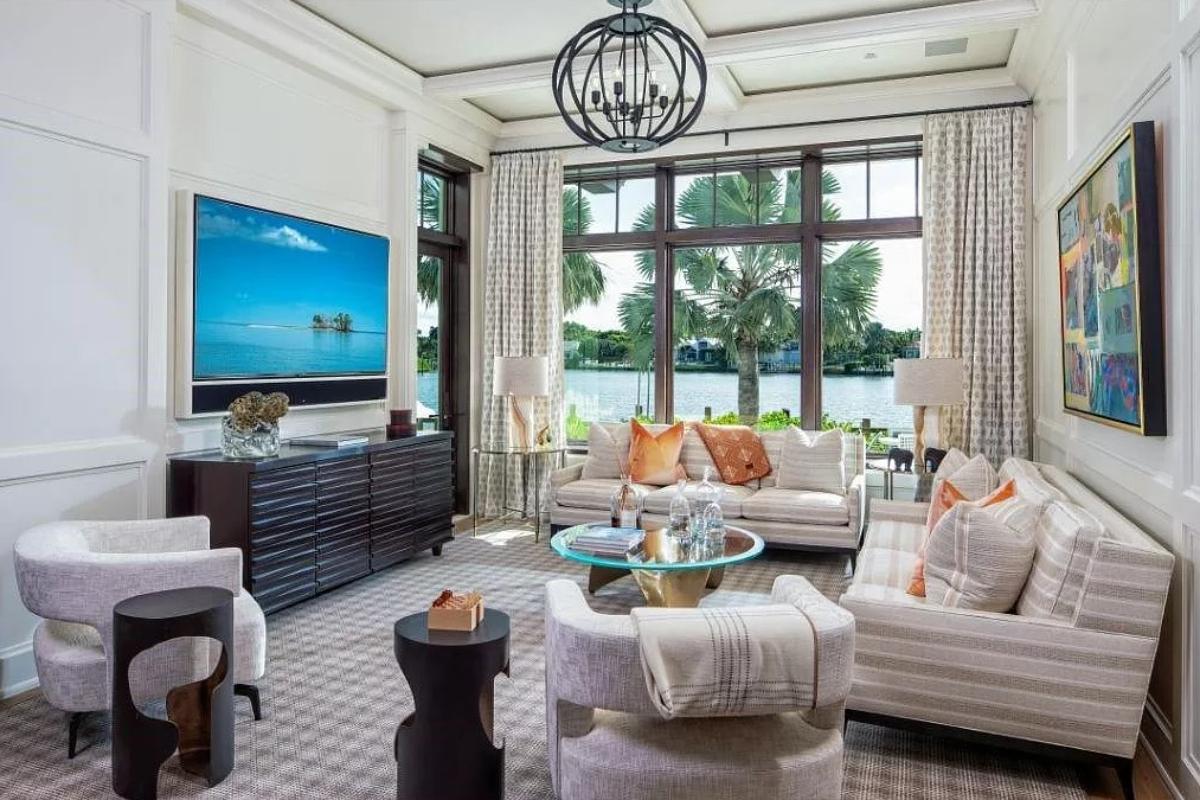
612, 395
228, 350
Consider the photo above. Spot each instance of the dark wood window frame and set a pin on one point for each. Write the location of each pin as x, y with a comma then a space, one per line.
809, 232
453, 246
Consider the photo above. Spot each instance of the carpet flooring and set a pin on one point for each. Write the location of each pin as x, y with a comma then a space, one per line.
333, 695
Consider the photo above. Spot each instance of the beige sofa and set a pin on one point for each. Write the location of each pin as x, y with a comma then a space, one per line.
783, 517
1070, 683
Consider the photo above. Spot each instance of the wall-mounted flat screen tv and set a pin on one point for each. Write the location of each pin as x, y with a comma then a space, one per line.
283, 303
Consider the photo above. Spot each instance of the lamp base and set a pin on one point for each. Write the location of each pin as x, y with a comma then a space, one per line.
919, 439
521, 433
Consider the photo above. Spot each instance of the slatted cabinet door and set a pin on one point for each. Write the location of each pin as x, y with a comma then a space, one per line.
433, 492
283, 536
391, 507
343, 521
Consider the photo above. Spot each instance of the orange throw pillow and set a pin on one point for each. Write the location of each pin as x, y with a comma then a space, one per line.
737, 451
945, 498
654, 460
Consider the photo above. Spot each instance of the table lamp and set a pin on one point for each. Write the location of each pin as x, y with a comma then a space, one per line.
521, 379
926, 383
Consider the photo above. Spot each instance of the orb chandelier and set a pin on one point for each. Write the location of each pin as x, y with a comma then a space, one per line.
620, 82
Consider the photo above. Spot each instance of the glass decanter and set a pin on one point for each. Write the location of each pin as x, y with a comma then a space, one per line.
626, 505
706, 493
714, 529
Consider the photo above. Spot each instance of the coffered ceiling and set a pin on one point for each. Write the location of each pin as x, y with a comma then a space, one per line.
498, 55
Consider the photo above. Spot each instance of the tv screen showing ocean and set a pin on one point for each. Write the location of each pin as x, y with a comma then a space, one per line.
281, 296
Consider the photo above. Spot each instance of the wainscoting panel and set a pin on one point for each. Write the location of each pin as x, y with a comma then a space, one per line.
73, 272
102, 80
111, 492
255, 122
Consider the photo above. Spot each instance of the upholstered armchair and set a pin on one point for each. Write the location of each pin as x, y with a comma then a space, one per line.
605, 738
72, 574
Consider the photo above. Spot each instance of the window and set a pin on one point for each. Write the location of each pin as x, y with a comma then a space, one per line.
785, 308
429, 295
872, 293
737, 333
607, 200
608, 337
432, 197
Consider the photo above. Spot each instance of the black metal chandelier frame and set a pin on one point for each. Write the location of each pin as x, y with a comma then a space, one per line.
632, 113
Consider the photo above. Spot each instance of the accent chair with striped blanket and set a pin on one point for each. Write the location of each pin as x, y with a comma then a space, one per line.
1067, 669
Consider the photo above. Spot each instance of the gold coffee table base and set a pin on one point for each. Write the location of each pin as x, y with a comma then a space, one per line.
666, 589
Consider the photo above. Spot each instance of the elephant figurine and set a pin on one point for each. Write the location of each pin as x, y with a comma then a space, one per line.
900, 460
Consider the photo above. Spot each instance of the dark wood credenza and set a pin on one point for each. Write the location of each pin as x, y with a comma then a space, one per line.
314, 518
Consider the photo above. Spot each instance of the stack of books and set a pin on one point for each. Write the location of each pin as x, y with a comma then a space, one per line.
609, 542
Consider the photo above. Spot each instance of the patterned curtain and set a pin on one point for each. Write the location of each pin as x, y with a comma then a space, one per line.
975, 208
522, 308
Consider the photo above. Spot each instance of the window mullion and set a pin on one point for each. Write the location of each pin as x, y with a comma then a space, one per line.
664, 307
810, 297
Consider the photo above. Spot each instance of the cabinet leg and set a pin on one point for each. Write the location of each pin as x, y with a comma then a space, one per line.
437, 549
1125, 773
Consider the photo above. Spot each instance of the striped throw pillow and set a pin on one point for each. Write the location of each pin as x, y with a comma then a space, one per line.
1066, 541
814, 464
975, 561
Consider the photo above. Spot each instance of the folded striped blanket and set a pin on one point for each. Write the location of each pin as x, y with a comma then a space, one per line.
727, 661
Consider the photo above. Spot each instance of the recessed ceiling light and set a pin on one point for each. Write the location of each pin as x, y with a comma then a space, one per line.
869, 56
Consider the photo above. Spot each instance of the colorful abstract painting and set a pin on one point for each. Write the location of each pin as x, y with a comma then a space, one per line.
1111, 290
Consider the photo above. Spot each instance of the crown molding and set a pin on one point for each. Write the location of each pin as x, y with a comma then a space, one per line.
312, 43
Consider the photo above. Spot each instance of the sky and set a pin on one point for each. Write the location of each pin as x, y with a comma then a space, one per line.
900, 290
258, 267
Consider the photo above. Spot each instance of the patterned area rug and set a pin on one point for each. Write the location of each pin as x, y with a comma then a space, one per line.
333, 696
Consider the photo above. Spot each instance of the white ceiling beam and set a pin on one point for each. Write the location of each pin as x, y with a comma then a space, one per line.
896, 26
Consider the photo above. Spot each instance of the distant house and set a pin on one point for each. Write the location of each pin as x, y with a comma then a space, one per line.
911, 350
702, 351
784, 359
570, 347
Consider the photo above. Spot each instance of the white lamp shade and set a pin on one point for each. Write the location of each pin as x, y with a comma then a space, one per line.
928, 381
521, 376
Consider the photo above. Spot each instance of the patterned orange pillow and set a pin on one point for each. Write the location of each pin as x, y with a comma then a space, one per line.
654, 460
737, 451
946, 497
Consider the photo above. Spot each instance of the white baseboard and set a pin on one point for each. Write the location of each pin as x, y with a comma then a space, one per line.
1163, 775
17, 671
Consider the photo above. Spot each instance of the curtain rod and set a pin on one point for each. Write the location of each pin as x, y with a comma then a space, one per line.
786, 125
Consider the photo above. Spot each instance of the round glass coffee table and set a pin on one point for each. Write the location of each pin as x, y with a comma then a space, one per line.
667, 573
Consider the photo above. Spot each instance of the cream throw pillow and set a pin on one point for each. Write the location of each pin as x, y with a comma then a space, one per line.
975, 561
1066, 540
608, 450
816, 465
974, 477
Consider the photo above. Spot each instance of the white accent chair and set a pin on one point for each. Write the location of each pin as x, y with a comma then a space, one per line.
73, 573
605, 738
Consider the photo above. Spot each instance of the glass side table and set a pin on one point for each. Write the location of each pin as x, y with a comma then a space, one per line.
535, 464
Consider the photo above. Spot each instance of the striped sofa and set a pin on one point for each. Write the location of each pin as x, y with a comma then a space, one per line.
1066, 673
783, 517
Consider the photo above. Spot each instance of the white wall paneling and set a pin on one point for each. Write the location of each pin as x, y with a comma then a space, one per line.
82, 218
1094, 66
106, 108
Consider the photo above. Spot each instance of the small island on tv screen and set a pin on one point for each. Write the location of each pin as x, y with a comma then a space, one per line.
276, 296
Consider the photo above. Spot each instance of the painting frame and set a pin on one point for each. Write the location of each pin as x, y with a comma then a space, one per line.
1110, 289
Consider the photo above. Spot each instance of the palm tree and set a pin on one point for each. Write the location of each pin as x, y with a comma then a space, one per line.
583, 277
745, 296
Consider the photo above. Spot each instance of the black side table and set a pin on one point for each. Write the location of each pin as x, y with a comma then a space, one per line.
445, 749
200, 713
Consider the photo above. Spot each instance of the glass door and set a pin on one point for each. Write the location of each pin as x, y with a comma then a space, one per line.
434, 377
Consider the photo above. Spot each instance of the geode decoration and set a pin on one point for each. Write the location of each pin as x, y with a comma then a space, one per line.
251, 429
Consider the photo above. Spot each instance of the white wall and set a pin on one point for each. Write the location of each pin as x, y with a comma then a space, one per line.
107, 107
1093, 67
83, 178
